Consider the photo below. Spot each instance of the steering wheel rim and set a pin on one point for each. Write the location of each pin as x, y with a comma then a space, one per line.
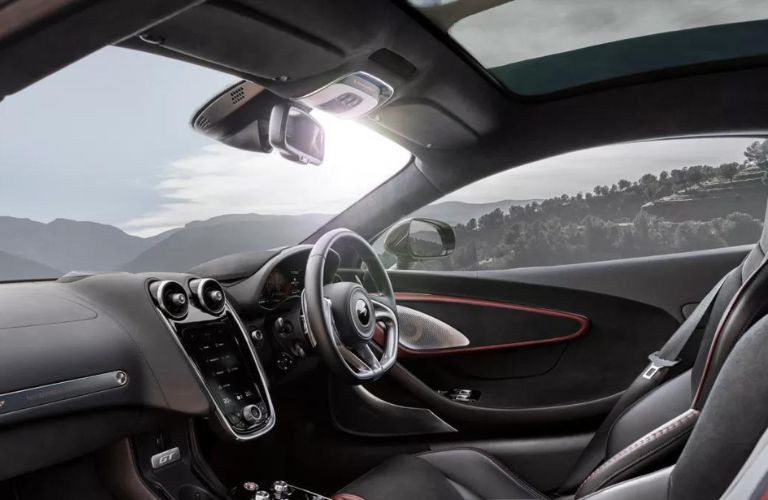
335, 314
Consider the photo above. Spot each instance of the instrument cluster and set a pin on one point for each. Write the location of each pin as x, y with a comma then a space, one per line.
282, 283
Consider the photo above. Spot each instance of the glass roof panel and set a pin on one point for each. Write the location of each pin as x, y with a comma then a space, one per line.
542, 46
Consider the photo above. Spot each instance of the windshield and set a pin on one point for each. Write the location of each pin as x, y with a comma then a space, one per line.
101, 171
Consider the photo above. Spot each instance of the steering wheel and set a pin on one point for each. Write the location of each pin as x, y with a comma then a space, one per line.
341, 318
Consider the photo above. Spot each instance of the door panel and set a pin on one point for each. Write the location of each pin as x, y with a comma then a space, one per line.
599, 363
555, 372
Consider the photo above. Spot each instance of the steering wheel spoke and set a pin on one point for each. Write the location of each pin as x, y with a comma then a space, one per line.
342, 317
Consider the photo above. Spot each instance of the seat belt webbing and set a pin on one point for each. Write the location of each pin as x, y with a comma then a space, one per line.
655, 373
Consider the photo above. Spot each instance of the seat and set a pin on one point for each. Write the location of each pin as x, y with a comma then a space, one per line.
643, 437
455, 474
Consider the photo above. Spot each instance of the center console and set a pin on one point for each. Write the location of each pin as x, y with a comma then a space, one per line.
280, 490
220, 352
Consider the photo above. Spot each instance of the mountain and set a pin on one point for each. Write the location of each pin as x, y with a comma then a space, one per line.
458, 212
19, 268
71, 245
200, 241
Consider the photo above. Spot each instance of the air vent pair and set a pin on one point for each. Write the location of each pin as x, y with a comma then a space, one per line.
172, 298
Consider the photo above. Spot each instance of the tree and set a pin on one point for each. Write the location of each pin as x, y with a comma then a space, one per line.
757, 154
693, 175
649, 185
678, 177
472, 224
624, 184
491, 220
728, 171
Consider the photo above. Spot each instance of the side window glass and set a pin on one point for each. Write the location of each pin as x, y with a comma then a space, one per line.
614, 202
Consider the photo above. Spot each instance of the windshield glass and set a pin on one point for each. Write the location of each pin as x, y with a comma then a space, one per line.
101, 171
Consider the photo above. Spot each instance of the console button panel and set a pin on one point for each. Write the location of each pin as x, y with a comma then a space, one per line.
218, 348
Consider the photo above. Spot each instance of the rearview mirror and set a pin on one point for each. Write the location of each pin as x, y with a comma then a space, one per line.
248, 116
238, 117
411, 240
296, 134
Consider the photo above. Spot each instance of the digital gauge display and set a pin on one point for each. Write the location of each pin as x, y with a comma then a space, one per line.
281, 284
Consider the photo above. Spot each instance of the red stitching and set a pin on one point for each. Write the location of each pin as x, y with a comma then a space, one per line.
674, 424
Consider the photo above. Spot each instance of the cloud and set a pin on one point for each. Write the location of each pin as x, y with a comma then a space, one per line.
526, 29
219, 180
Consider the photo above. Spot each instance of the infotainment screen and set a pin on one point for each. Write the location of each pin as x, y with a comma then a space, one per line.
218, 350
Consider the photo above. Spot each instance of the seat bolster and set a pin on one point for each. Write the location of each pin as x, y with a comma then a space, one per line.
404, 476
659, 406
452, 474
640, 456
480, 473
653, 486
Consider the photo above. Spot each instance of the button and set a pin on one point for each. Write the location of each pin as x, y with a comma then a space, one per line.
229, 360
227, 401
253, 415
235, 418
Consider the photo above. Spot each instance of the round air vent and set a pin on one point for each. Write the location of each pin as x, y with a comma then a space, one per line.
171, 298
209, 295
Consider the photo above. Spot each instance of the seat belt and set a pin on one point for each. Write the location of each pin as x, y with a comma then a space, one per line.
653, 375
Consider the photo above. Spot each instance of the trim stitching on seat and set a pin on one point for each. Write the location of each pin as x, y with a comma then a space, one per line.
670, 426
642, 457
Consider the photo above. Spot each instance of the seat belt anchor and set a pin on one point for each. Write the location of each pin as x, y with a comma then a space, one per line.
657, 363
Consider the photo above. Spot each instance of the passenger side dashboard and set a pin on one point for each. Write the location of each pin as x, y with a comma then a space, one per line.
89, 359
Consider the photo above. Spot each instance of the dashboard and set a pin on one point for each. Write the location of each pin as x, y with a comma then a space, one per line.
115, 347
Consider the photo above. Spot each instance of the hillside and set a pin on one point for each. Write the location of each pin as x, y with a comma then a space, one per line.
71, 245
690, 208
459, 212
19, 268
200, 241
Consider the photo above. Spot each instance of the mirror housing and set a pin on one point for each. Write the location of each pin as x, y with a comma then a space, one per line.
419, 239
238, 117
296, 134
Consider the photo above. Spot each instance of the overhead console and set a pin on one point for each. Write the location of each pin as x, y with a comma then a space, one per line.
216, 344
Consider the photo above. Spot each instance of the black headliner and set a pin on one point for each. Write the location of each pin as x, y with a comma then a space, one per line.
442, 98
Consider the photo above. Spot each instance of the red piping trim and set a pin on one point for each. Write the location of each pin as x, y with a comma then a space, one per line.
582, 321
720, 326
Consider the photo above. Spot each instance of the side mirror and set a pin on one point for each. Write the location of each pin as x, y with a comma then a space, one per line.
416, 239
296, 134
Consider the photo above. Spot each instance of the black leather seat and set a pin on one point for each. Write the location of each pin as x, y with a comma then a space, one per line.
455, 474
650, 432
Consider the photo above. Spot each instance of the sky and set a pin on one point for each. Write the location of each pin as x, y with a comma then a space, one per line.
107, 139
525, 29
